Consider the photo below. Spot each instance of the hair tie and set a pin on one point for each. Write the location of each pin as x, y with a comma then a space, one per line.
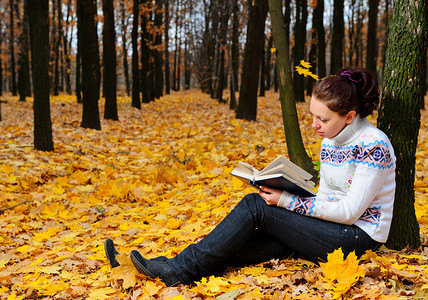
348, 74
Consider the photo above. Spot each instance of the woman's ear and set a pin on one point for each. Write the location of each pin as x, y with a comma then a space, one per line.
350, 116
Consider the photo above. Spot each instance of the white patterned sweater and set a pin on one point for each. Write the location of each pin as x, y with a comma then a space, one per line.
357, 181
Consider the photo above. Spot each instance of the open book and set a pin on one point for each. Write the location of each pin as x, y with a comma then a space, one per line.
280, 174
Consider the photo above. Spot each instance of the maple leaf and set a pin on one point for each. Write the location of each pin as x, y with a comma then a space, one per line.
341, 274
126, 271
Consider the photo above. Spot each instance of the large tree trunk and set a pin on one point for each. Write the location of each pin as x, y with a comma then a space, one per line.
399, 116
136, 102
109, 62
296, 150
24, 85
247, 106
371, 36
39, 35
90, 64
337, 38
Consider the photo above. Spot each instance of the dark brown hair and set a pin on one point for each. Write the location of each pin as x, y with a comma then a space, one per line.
352, 89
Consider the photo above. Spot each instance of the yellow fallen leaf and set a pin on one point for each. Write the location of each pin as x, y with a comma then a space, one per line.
126, 271
341, 274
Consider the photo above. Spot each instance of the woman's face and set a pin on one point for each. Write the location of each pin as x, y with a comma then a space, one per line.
326, 122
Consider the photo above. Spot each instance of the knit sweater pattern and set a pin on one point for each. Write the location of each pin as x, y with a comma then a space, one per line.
357, 181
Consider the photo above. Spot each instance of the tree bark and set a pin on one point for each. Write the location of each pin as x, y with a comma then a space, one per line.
125, 48
371, 36
109, 62
247, 106
296, 150
337, 38
401, 96
136, 102
24, 85
146, 75
299, 47
166, 41
157, 51
90, 64
318, 20
39, 36
235, 48
12, 48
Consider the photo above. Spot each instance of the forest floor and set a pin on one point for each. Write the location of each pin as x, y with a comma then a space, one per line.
157, 180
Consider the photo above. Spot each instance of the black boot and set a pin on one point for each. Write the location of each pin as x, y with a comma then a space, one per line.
154, 268
111, 253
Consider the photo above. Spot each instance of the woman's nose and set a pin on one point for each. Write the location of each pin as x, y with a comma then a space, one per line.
315, 124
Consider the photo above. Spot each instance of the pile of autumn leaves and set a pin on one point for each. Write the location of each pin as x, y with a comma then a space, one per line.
156, 181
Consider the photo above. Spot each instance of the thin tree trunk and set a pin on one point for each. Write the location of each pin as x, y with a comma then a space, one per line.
158, 61
167, 70
296, 150
12, 48
235, 47
136, 102
146, 75
320, 31
24, 85
299, 47
125, 49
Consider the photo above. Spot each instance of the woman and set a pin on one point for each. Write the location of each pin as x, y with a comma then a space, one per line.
352, 209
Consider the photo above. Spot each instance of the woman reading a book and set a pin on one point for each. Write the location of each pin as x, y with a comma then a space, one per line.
352, 209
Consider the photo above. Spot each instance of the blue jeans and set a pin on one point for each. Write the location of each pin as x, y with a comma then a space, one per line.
255, 232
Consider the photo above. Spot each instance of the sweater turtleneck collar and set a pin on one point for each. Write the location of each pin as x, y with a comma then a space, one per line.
351, 131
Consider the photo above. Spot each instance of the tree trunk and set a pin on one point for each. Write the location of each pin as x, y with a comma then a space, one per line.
401, 96
337, 38
109, 61
57, 41
320, 38
68, 42
268, 63
125, 48
262, 87
299, 47
90, 64
39, 34
24, 85
296, 150
235, 48
247, 106
12, 48
78, 86
136, 102
145, 56
158, 61
371, 36
167, 70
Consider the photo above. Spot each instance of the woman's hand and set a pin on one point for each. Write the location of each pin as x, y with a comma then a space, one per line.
271, 196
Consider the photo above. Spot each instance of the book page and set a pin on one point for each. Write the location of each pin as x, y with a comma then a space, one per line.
288, 166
